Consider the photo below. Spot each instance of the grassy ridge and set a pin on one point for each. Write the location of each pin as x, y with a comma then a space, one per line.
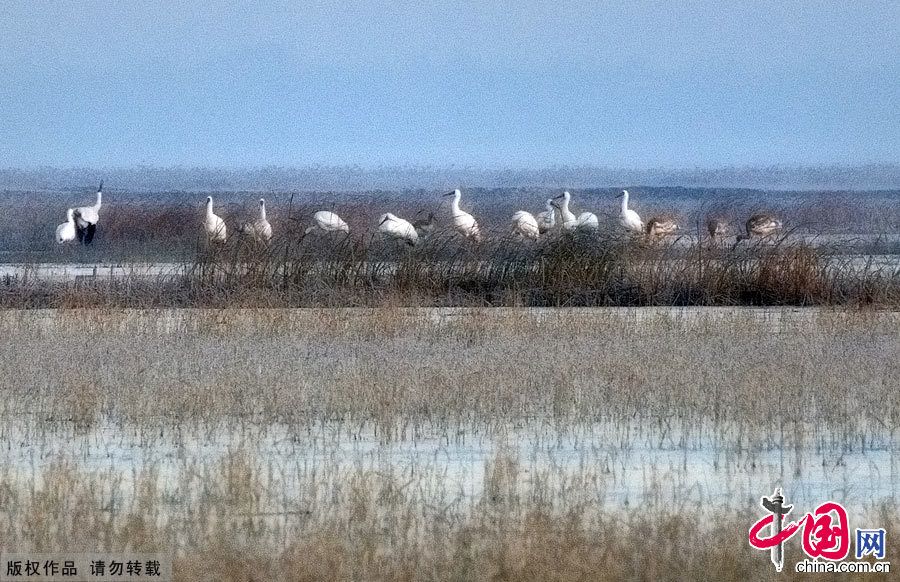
364, 270
564, 270
165, 226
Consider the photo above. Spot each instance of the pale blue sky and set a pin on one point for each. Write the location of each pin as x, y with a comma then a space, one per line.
495, 84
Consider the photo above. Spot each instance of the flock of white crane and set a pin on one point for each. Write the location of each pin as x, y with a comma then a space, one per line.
81, 223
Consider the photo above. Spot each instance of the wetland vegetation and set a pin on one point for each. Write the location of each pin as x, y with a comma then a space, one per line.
441, 444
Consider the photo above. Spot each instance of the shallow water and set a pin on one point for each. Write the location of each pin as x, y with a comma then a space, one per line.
593, 464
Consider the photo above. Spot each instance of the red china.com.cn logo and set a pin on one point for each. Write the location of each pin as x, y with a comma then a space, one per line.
825, 535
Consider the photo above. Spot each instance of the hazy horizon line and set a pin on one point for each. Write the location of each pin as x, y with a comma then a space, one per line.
357, 177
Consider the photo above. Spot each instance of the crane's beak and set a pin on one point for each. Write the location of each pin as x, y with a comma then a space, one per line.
450, 193
383, 220
560, 197
554, 204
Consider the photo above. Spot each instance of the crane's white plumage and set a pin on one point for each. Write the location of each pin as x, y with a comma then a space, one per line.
525, 225
328, 221
87, 217
213, 225
628, 218
546, 220
570, 222
259, 230
90, 214
65, 232
394, 227
463, 222
587, 221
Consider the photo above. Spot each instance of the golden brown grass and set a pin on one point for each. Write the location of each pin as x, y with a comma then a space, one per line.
374, 530
159, 387
564, 270
589, 363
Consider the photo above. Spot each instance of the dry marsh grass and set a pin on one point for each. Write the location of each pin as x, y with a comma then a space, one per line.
363, 270
354, 363
440, 444
374, 530
565, 270
378, 524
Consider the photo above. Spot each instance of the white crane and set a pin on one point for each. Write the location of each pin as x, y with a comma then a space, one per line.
259, 230
394, 227
546, 220
524, 225
214, 226
762, 224
328, 221
87, 217
463, 222
628, 218
584, 221
65, 232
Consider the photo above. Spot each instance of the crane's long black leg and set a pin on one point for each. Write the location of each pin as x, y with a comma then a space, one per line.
89, 234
